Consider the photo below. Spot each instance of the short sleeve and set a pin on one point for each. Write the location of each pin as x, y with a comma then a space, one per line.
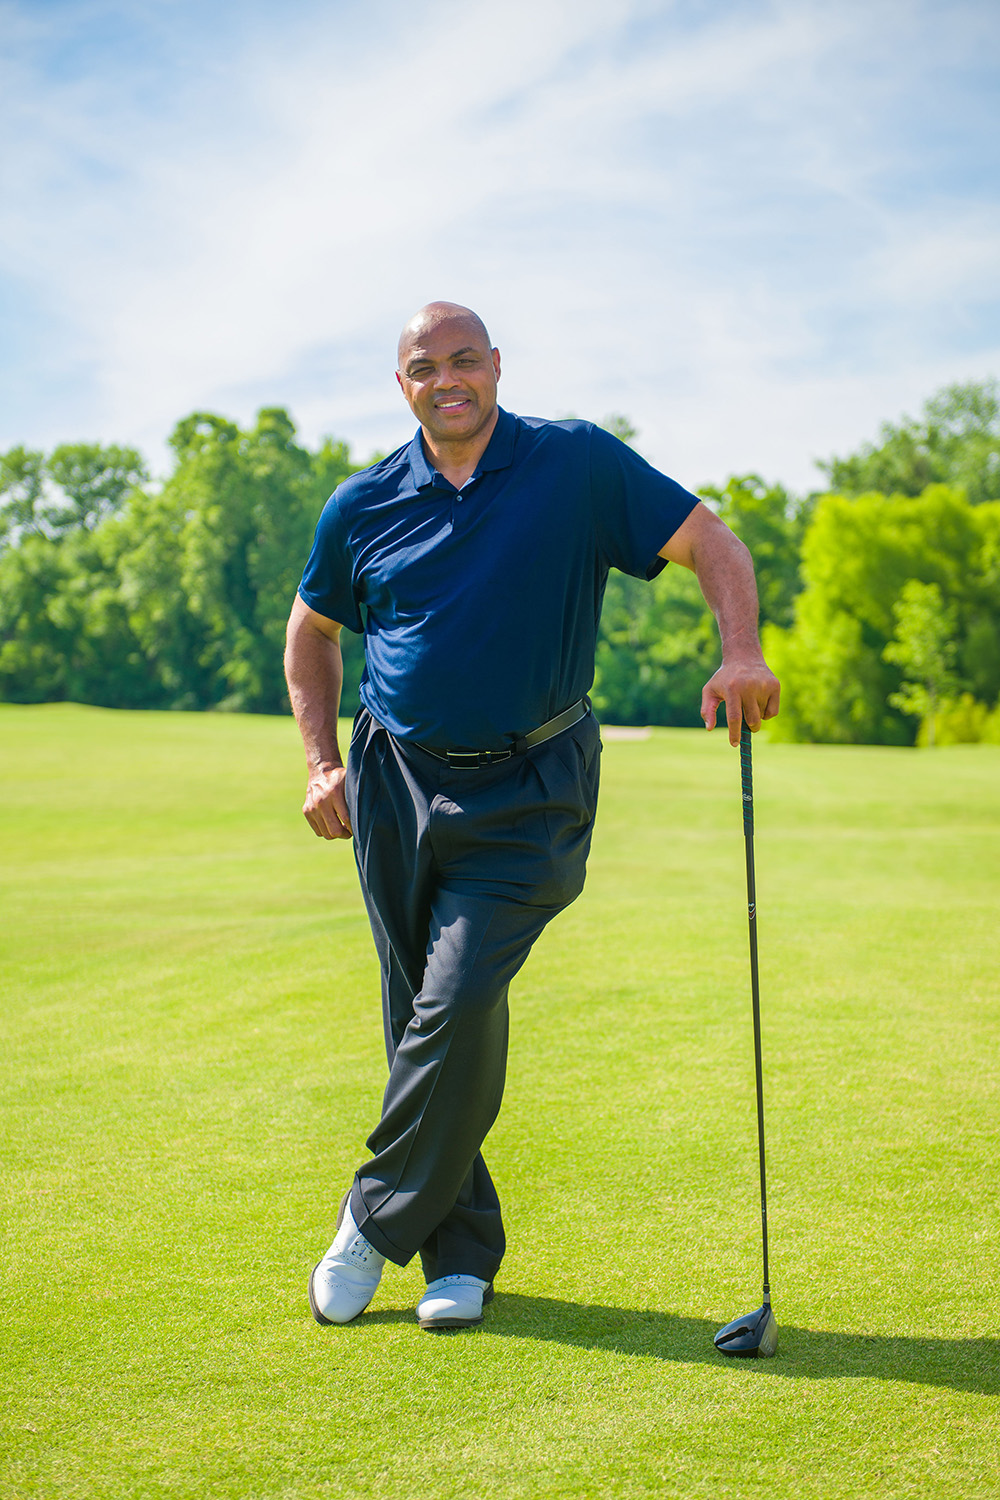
636, 508
327, 583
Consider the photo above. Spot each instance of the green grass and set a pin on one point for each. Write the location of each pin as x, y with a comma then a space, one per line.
193, 1058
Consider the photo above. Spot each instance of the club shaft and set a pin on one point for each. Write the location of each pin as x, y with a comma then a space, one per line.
746, 769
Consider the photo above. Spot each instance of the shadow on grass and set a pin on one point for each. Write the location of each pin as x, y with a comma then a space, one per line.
803, 1353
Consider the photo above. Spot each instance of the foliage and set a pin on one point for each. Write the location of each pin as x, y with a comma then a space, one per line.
858, 557
211, 563
63, 626
772, 523
22, 486
961, 721
117, 593
955, 442
120, 592
656, 649
76, 487
924, 648
658, 642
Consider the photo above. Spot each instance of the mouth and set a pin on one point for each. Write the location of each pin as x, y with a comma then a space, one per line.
456, 405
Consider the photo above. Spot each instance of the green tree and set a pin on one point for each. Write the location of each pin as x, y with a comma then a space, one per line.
656, 648
64, 631
857, 557
94, 482
114, 593
22, 490
656, 644
956, 442
209, 566
772, 523
924, 647
76, 487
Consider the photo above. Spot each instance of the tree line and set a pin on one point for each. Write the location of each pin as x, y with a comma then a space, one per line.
879, 593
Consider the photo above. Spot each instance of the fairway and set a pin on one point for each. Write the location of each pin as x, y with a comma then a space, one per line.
193, 1056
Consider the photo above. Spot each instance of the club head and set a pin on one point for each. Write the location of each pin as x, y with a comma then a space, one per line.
754, 1336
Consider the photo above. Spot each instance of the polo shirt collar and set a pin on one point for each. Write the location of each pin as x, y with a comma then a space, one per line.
498, 455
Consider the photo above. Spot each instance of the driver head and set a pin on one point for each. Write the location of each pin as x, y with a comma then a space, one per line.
754, 1336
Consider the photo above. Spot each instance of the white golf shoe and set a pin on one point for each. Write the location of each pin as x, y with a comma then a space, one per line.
454, 1302
345, 1280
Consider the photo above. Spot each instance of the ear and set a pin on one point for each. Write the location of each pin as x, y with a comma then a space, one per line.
496, 362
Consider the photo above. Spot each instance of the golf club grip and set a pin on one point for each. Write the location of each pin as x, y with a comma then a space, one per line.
746, 771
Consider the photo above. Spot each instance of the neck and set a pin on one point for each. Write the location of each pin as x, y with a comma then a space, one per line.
457, 460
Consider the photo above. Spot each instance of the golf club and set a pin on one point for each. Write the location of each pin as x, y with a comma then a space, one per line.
755, 1335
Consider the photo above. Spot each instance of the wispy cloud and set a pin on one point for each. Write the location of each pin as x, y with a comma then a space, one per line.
757, 228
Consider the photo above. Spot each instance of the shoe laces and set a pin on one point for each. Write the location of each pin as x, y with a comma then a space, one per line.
359, 1252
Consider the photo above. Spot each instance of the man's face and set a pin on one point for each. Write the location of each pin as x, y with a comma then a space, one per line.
449, 375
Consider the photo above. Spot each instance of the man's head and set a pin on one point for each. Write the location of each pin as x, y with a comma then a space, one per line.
448, 372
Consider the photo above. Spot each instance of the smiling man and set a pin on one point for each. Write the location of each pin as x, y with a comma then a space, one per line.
451, 391
474, 562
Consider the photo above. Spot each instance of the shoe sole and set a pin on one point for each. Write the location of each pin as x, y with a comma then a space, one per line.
435, 1325
328, 1322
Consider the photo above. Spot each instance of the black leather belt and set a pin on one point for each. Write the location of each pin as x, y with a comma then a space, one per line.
470, 760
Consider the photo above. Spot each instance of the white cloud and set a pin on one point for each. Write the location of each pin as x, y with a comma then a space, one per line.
709, 220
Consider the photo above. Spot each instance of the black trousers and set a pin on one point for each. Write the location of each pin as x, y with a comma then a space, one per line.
460, 871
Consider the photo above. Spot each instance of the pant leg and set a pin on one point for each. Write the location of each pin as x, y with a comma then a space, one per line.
498, 853
390, 806
474, 1234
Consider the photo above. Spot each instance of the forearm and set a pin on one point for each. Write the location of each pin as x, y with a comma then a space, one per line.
314, 671
724, 569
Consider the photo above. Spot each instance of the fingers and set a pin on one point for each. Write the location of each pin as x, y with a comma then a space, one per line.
747, 712
325, 807
326, 823
750, 695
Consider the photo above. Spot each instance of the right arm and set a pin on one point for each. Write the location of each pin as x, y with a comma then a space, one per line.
314, 671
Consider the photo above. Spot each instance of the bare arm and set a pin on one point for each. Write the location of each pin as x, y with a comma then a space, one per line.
724, 570
314, 670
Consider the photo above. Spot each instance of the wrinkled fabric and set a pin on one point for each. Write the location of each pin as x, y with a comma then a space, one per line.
460, 871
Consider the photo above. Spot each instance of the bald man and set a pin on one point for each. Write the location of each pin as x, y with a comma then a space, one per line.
473, 560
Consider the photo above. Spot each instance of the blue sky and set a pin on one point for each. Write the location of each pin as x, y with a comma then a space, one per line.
758, 229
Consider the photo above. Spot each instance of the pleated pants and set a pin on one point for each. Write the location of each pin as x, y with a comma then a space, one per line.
460, 872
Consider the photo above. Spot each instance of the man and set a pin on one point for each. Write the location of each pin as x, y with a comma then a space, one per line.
474, 560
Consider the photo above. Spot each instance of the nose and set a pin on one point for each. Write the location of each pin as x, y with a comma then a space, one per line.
445, 378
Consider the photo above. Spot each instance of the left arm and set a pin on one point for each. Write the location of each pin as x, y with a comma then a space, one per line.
724, 570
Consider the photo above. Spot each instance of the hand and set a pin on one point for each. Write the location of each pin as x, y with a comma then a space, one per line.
748, 688
325, 807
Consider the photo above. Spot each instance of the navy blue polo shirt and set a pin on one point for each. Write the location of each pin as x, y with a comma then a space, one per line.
480, 607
